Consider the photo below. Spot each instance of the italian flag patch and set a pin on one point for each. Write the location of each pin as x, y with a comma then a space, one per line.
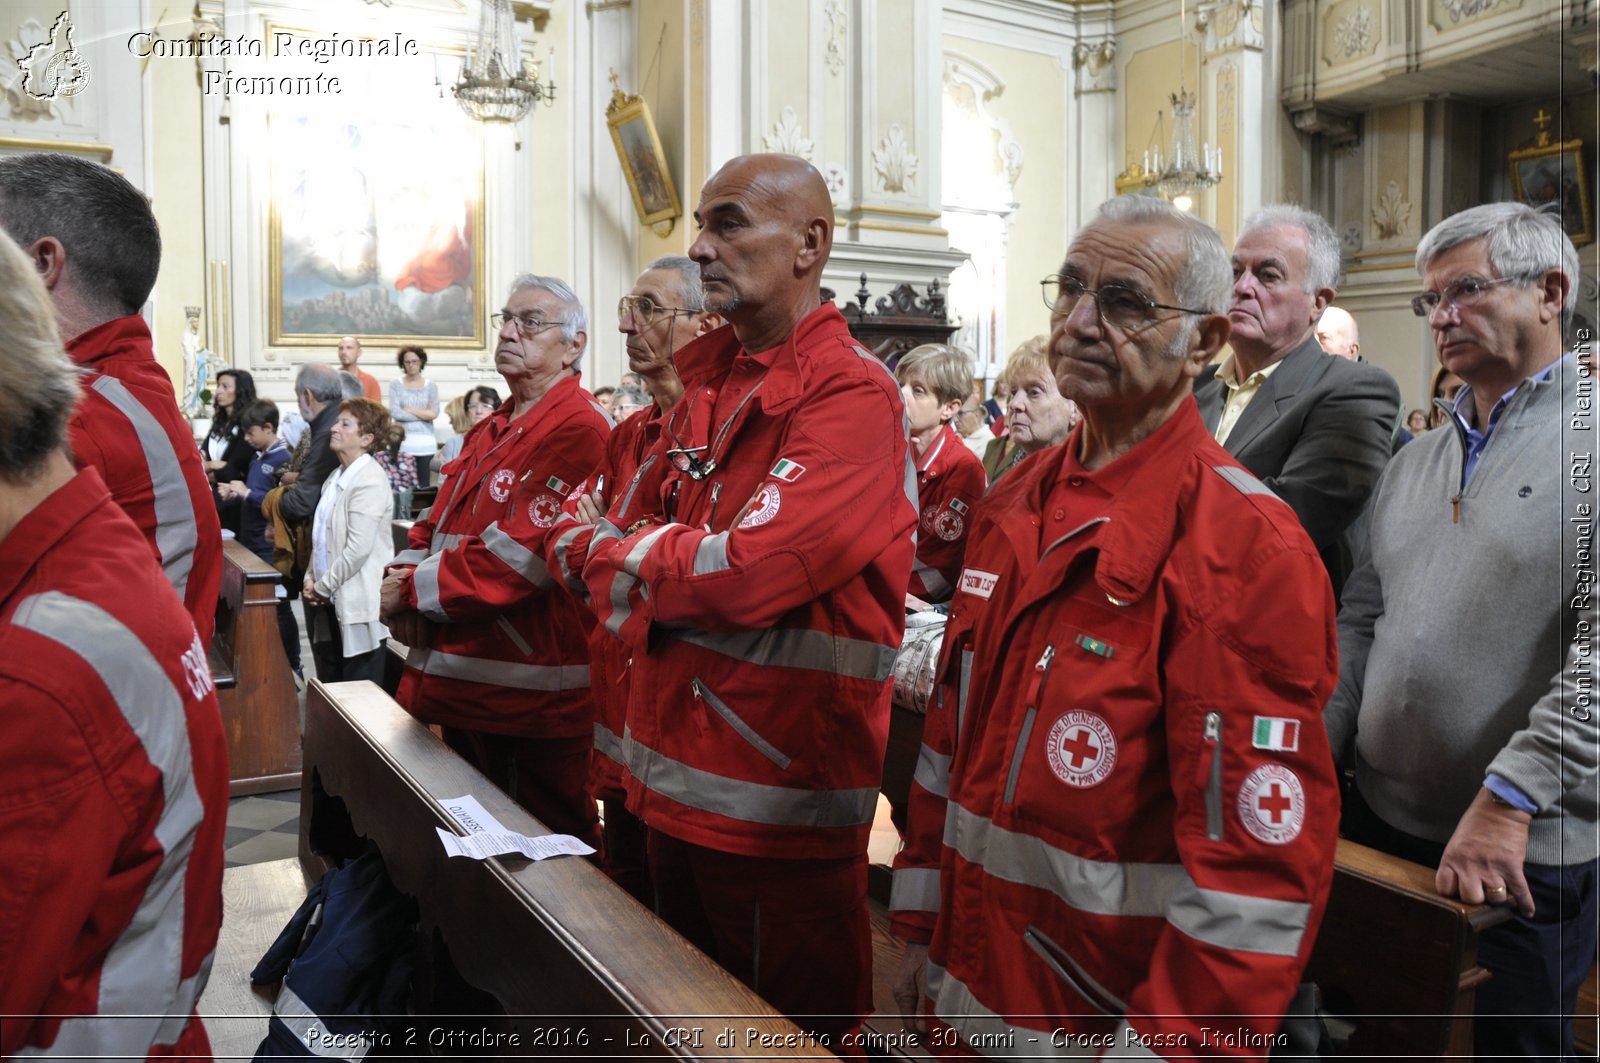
787, 471
559, 486
1274, 733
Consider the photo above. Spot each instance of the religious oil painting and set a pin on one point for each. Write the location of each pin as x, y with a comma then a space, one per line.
643, 160
376, 224
1554, 174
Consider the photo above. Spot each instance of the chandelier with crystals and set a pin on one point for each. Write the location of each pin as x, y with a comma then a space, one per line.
496, 87
1183, 167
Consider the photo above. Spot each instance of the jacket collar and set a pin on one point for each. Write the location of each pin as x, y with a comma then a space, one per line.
119, 336
1140, 525
708, 359
1296, 371
49, 522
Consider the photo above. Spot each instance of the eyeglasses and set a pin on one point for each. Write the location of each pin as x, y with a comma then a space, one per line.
645, 310
966, 412
1126, 309
1465, 291
479, 407
527, 324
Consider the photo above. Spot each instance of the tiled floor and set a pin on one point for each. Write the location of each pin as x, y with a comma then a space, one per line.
261, 828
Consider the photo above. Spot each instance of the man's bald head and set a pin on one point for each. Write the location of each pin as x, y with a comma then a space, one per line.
1337, 333
766, 230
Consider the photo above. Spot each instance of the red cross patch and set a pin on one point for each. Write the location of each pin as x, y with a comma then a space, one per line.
500, 484
544, 510
1272, 804
1081, 748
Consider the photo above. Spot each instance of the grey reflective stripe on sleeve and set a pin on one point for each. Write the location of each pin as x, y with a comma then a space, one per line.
425, 580
603, 531
910, 484
955, 1004
506, 673
177, 534
933, 771
816, 651
524, 562
933, 582
914, 889
141, 978
1092, 886
413, 556
621, 611
1246, 484
311, 1031
750, 802
1237, 922
641, 549
573, 580
608, 744
712, 554
447, 541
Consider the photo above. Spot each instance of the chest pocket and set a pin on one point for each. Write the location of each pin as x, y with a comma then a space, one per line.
1090, 706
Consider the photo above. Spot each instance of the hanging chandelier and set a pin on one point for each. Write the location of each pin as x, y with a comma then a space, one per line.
1185, 167
496, 87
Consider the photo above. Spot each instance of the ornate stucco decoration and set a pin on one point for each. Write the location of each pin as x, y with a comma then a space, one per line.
837, 179
1392, 213
787, 136
1355, 32
838, 22
1460, 9
1095, 63
894, 162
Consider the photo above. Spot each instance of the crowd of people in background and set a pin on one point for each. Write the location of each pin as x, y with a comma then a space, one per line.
1189, 569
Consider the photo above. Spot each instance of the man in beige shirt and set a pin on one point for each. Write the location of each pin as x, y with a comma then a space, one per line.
1314, 428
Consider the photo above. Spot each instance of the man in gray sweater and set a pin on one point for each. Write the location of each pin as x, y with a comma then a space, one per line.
1466, 637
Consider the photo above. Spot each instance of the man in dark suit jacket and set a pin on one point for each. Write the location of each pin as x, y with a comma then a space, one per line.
1314, 428
318, 390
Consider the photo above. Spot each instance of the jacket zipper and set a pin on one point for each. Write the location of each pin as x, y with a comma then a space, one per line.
1214, 784
1041, 671
511, 633
1058, 960
716, 493
745, 731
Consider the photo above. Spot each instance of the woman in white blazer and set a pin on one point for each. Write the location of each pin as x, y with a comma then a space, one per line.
350, 544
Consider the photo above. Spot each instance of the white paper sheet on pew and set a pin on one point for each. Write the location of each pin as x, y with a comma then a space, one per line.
489, 837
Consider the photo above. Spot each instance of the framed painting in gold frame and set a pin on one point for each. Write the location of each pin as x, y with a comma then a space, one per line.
644, 163
375, 223
1554, 173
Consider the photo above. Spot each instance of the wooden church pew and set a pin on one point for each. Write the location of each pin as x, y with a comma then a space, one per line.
256, 691
555, 944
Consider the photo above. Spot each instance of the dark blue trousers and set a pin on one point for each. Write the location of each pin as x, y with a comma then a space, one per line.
1525, 1011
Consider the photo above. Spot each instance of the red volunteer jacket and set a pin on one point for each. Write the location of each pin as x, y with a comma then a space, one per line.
127, 427
115, 792
950, 481
609, 656
764, 602
1123, 819
506, 656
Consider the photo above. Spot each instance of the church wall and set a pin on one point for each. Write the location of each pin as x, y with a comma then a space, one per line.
1035, 104
177, 190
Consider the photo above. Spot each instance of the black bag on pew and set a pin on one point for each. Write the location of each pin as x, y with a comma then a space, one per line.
344, 962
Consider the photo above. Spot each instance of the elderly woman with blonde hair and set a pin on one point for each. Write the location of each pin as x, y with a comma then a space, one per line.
350, 545
1037, 414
